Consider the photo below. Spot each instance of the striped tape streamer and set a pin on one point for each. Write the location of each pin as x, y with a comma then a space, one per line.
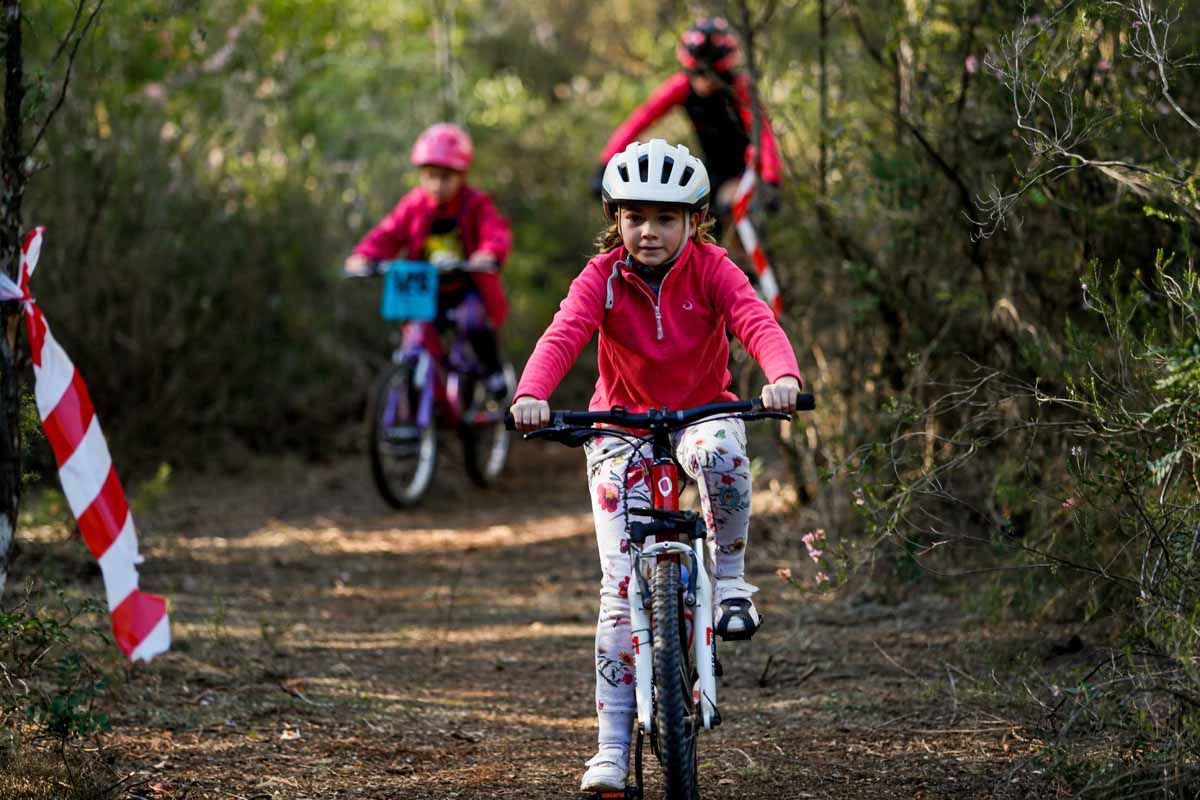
89, 480
767, 284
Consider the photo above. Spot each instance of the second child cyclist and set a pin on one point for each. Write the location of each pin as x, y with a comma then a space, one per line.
716, 96
660, 294
445, 219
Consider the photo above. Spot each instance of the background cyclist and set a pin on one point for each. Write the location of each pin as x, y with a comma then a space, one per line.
716, 97
442, 219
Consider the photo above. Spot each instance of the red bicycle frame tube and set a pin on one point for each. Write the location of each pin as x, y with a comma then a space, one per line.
664, 479
417, 334
665, 476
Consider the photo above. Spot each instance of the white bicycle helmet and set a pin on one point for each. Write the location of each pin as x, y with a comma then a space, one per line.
654, 172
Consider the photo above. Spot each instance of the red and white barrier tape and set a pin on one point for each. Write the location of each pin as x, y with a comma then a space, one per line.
89, 480
767, 284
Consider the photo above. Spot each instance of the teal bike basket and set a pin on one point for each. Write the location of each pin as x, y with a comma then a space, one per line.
410, 291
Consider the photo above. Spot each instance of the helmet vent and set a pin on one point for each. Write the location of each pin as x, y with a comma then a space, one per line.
668, 164
687, 176
623, 172
644, 169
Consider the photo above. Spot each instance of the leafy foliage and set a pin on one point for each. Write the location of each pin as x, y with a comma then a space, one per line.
47, 678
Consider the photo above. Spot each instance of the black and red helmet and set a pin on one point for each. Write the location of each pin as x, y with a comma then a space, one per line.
709, 46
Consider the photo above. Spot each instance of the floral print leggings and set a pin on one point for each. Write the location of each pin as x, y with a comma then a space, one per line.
619, 477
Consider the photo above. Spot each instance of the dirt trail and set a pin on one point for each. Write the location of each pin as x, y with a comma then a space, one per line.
327, 647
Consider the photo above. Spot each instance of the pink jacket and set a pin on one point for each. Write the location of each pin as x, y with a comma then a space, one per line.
403, 233
670, 350
675, 91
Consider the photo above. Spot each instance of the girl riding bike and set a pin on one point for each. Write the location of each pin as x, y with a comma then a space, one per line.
661, 294
444, 219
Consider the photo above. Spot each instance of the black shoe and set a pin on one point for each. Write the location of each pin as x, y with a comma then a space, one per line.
496, 385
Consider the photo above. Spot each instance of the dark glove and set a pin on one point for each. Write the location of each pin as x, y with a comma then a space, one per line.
597, 182
768, 197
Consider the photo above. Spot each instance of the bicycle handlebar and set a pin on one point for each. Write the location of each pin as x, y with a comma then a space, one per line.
376, 268
564, 424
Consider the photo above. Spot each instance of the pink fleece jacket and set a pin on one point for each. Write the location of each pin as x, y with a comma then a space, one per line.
668, 350
482, 228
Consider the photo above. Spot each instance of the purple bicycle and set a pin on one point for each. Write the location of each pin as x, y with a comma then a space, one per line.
430, 387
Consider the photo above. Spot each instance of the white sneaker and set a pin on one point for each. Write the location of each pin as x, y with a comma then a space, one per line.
736, 616
606, 771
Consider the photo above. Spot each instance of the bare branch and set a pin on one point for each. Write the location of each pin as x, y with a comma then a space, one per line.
62, 92
58, 51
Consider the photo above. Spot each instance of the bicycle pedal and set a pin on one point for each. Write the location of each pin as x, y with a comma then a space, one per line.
629, 793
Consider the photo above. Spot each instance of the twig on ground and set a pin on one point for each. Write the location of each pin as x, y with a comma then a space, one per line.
894, 662
953, 696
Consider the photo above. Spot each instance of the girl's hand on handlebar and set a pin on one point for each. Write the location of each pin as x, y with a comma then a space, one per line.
357, 265
782, 394
482, 259
529, 413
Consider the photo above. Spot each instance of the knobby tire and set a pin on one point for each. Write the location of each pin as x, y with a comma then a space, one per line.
676, 717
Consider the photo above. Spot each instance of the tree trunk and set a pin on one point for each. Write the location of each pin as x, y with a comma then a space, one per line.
12, 174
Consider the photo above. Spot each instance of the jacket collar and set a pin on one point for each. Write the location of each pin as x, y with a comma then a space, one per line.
682, 262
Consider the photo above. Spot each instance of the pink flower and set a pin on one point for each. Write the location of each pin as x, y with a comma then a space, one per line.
1103, 65
784, 573
608, 495
821, 578
972, 64
1070, 503
811, 540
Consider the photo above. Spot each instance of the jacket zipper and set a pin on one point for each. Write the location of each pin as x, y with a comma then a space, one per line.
655, 300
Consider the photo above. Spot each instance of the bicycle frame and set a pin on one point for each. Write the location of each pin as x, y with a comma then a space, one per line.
667, 528
443, 395
664, 477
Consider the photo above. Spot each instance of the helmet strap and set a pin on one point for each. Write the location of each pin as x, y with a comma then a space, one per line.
687, 232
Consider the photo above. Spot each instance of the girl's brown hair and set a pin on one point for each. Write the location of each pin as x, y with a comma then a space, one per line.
610, 237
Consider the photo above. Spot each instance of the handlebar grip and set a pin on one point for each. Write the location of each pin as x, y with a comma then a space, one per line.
510, 424
806, 402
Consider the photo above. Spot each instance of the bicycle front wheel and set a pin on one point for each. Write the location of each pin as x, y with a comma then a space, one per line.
403, 452
676, 715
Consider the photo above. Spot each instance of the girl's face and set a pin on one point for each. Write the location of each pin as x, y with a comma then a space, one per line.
652, 232
441, 184
704, 84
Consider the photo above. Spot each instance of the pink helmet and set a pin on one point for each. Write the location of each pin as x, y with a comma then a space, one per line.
443, 145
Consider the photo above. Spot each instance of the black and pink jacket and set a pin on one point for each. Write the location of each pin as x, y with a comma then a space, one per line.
723, 123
